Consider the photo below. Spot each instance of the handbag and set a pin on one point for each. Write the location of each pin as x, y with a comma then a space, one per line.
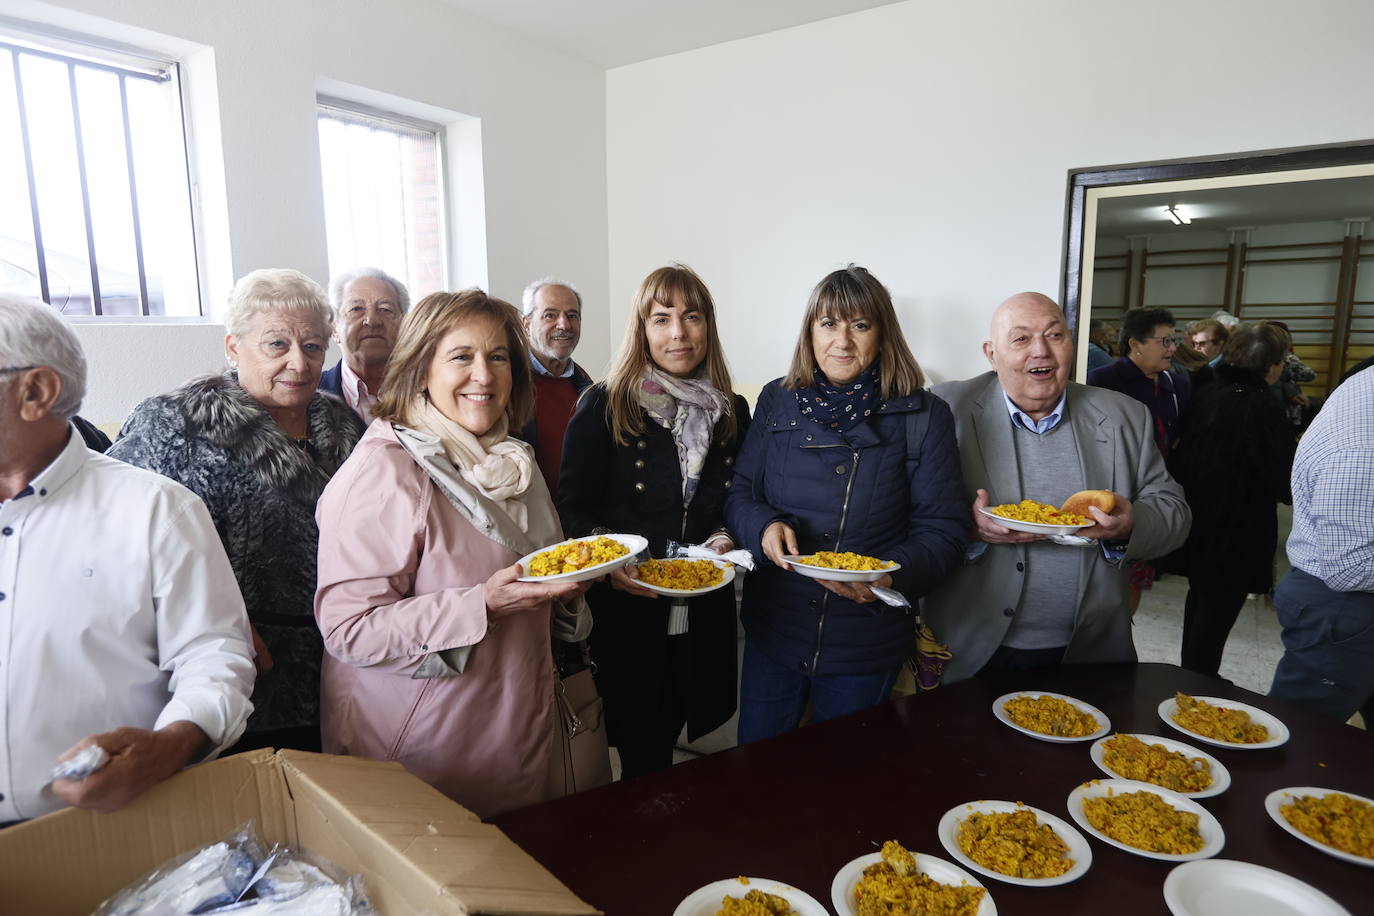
581, 756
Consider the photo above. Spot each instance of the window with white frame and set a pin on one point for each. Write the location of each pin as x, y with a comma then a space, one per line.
95, 196
383, 194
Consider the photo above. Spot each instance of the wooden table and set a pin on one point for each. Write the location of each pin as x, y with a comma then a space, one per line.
798, 807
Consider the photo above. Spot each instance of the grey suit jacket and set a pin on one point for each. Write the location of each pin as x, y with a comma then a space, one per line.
972, 611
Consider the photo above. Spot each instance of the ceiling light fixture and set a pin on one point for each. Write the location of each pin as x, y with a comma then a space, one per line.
1177, 216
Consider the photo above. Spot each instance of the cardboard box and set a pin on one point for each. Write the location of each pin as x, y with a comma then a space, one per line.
418, 851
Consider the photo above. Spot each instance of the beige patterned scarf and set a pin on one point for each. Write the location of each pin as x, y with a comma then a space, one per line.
498, 466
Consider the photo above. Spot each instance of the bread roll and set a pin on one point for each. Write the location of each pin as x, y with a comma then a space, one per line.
1078, 503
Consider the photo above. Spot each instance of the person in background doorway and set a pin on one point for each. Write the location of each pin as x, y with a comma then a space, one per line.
1233, 461
1100, 336
553, 321
368, 307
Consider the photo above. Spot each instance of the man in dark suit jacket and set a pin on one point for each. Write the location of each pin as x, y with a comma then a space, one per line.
553, 320
1026, 432
368, 305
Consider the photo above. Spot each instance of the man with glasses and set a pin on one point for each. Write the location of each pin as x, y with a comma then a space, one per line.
121, 623
368, 306
1208, 336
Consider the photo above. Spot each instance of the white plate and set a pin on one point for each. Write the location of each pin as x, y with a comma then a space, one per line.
1034, 527
1278, 732
705, 901
842, 888
1225, 887
1221, 777
839, 575
1280, 797
1213, 837
689, 592
633, 543
1079, 850
1104, 724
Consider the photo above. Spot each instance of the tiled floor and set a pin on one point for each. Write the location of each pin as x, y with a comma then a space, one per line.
1251, 653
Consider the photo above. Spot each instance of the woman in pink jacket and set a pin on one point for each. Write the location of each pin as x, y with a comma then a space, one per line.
436, 657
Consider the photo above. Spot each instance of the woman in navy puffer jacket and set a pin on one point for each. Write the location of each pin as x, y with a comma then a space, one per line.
847, 453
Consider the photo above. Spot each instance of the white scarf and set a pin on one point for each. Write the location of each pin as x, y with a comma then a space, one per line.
499, 467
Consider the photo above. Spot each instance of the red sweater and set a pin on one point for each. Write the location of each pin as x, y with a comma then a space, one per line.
554, 400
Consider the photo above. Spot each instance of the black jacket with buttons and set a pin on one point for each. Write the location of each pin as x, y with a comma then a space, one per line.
878, 496
637, 489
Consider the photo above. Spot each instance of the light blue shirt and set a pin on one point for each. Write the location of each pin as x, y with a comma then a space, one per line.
539, 367
1020, 418
1333, 490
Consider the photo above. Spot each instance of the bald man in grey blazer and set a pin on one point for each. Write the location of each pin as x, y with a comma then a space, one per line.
1026, 432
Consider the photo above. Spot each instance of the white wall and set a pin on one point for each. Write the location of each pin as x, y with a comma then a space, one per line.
930, 142
542, 133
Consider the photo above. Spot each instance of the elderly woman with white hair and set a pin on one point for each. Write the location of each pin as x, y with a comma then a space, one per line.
258, 443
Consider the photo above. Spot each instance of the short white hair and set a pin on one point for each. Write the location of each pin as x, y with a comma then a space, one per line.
33, 334
340, 283
527, 297
276, 289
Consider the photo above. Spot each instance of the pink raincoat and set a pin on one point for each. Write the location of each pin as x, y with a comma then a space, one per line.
401, 577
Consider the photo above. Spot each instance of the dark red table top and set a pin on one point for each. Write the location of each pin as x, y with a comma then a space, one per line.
798, 807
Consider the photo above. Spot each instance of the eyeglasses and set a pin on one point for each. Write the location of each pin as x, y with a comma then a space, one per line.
17, 369
1166, 342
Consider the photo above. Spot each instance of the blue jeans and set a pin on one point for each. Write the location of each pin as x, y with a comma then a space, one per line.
772, 697
1328, 641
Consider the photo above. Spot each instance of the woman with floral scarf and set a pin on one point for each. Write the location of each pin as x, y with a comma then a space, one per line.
650, 451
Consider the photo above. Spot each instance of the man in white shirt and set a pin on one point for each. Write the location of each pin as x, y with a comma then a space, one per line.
368, 305
121, 623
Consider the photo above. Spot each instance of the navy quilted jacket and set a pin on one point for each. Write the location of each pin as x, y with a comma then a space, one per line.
873, 498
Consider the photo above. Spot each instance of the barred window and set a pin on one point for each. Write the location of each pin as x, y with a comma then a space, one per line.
95, 194
383, 194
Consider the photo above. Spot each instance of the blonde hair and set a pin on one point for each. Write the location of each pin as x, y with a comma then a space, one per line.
666, 286
849, 294
275, 289
421, 331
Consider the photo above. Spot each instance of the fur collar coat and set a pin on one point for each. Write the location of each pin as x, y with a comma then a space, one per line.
261, 488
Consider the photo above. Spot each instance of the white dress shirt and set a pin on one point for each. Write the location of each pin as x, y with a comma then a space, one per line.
118, 607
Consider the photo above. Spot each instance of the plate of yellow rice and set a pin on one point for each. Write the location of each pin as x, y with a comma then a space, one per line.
898, 881
1052, 717
1223, 723
1015, 843
1337, 823
1032, 517
1146, 820
732, 897
684, 578
841, 566
579, 559
1163, 762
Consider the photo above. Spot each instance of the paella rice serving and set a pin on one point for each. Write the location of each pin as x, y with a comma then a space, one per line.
893, 887
1131, 758
1028, 510
1050, 716
1144, 820
574, 555
1334, 820
755, 903
829, 559
687, 575
1217, 722
1014, 843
